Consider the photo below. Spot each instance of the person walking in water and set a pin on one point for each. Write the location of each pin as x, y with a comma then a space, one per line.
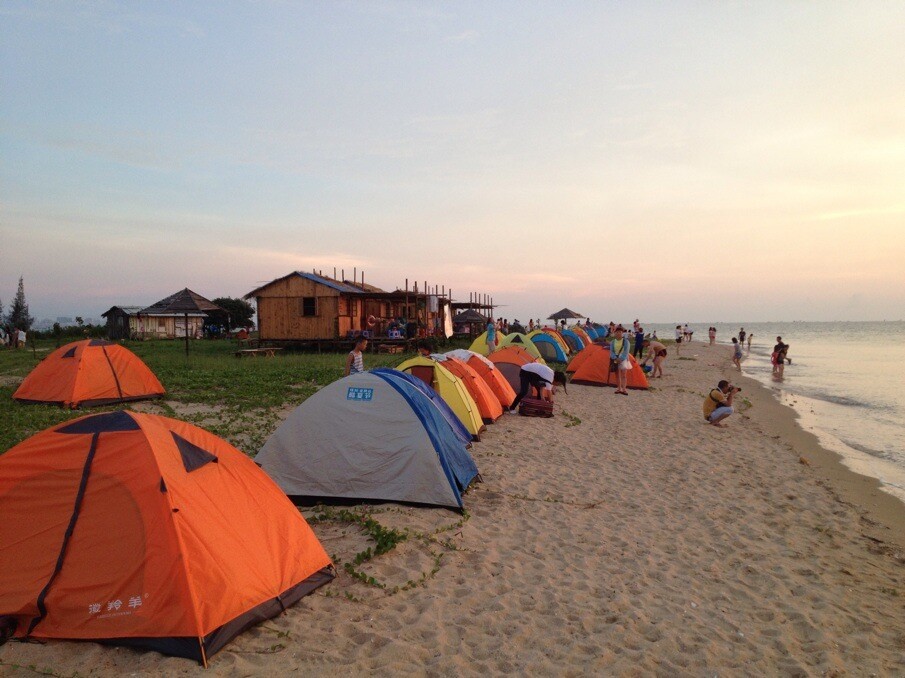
737, 353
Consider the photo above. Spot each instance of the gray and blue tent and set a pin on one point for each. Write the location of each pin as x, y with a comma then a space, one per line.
369, 436
454, 422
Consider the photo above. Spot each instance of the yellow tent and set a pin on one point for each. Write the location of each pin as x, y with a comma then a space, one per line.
479, 345
450, 388
519, 339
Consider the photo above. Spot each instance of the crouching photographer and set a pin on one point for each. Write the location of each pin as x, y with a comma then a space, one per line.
718, 403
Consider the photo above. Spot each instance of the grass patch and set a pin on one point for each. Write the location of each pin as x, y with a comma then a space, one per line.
248, 394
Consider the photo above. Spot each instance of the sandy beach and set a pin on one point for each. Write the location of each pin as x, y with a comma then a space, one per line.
622, 537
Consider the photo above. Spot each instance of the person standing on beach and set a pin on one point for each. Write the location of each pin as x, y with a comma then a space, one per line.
741, 336
639, 342
656, 352
711, 334
491, 337
737, 353
678, 338
355, 361
750, 337
619, 352
718, 403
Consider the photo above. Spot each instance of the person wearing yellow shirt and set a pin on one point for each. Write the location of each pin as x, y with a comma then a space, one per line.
718, 403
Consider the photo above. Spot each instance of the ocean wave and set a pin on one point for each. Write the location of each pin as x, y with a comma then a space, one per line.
839, 399
879, 454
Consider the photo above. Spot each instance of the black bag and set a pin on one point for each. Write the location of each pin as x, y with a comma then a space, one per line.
614, 365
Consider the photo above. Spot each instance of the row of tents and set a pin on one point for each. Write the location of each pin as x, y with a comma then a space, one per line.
547, 343
142, 530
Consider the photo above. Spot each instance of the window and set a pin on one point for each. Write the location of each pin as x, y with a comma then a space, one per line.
309, 306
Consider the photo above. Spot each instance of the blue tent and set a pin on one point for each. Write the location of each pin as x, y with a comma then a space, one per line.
591, 331
369, 436
548, 347
573, 340
455, 423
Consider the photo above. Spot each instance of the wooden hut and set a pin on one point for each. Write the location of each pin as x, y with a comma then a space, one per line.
302, 307
122, 322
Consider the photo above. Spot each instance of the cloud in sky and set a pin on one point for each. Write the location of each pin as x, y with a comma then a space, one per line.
691, 161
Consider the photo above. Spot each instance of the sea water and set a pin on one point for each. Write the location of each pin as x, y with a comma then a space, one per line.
846, 382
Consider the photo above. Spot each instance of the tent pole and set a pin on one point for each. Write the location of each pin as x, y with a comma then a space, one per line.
186, 334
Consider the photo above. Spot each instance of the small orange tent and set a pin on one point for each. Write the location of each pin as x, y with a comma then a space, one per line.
592, 366
509, 362
88, 373
489, 373
488, 404
140, 530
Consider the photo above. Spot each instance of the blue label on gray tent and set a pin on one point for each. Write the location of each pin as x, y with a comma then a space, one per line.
355, 393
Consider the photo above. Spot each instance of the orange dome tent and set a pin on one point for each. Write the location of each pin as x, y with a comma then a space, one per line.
135, 529
489, 373
592, 366
88, 373
509, 362
488, 404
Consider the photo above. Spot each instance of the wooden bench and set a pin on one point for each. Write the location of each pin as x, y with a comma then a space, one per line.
266, 352
390, 348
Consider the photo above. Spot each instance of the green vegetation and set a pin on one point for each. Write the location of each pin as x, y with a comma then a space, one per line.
237, 399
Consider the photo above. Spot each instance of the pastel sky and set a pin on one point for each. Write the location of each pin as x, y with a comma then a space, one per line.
674, 161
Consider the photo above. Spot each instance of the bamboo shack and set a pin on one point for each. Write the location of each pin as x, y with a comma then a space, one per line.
122, 322
311, 307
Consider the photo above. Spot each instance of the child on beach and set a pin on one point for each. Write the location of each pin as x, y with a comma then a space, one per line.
711, 333
737, 353
639, 342
355, 361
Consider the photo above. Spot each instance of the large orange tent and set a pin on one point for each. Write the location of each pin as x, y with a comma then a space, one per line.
87, 373
488, 404
136, 529
592, 366
509, 362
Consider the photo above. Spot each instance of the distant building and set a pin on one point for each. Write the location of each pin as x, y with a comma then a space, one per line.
122, 322
308, 306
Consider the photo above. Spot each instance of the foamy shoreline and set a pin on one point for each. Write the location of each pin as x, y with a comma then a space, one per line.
638, 541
